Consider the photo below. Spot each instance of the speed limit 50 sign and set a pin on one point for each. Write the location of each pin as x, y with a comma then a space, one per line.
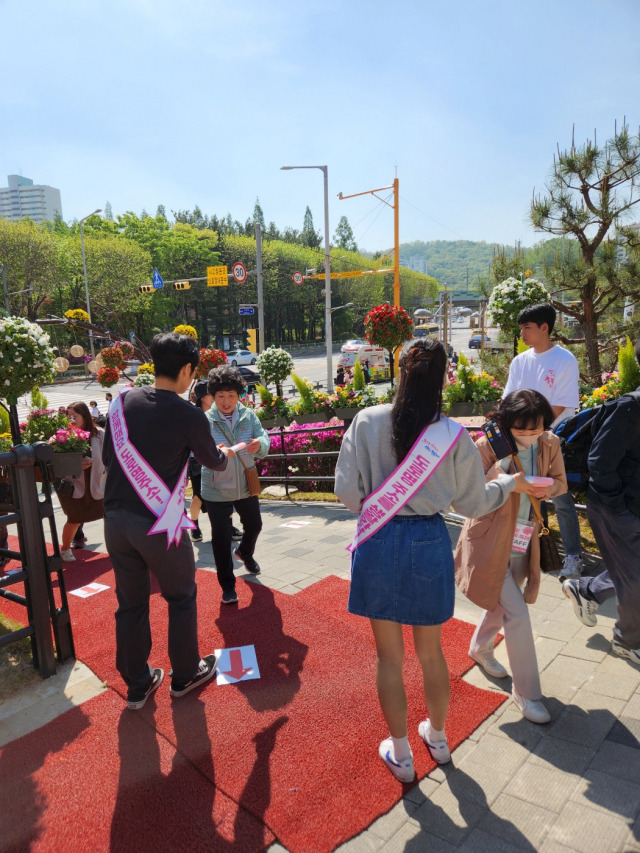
239, 272
298, 278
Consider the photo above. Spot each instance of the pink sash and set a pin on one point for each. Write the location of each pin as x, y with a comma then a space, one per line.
166, 505
432, 446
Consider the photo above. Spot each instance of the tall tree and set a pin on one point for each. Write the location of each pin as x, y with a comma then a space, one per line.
161, 211
108, 212
258, 215
309, 236
343, 238
591, 193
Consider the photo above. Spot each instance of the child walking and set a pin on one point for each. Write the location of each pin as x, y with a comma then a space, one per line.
497, 558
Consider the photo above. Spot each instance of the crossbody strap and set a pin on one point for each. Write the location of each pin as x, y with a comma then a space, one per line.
535, 503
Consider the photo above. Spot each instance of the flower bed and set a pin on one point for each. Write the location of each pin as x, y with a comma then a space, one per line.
328, 438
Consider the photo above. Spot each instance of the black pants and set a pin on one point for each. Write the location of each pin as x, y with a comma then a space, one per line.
134, 555
220, 517
617, 536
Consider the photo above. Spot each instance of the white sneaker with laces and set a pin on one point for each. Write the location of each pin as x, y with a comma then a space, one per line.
584, 609
439, 749
631, 654
67, 556
403, 770
572, 567
487, 660
532, 709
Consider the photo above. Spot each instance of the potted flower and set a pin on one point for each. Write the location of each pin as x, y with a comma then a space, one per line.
273, 410
312, 407
470, 393
69, 444
189, 331
275, 365
347, 401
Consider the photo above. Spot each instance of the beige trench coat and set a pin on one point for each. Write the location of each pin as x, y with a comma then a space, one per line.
484, 547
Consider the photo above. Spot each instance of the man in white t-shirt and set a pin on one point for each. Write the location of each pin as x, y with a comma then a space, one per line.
553, 371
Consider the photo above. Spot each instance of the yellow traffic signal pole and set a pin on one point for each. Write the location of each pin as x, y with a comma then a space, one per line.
396, 230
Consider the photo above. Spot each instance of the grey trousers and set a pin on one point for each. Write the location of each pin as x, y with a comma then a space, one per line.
512, 616
134, 555
618, 538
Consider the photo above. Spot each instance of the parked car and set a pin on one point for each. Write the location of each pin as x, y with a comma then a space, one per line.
250, 376
350, 345
240, 356
475, 341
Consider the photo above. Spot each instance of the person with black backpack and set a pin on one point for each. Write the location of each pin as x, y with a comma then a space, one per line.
613, 508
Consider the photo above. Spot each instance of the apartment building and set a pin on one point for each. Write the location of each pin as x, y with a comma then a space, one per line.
24, 198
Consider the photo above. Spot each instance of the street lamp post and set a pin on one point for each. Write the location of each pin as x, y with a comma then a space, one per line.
327, 272
86, 283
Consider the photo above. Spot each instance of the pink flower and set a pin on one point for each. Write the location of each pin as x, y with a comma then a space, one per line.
62, 436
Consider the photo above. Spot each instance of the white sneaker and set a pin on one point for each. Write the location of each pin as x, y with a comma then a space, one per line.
439, 749
572, 567
631, 654
402, 770
487, 660
532, 709
584, 609
67, 556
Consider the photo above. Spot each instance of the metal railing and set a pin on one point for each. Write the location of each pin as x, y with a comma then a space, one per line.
48, 622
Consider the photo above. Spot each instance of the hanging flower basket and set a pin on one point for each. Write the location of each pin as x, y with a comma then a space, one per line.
26, 358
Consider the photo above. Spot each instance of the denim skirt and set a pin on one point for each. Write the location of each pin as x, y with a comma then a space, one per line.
404, 572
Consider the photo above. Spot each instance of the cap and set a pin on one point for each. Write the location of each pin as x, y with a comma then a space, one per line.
199, 391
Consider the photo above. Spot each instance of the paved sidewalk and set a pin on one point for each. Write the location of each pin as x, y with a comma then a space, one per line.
512, 786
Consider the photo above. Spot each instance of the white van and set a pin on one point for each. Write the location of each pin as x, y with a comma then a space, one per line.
376, 356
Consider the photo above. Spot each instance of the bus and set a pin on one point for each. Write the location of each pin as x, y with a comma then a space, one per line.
426, 330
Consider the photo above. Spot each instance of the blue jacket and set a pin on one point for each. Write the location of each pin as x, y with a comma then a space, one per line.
231, 484
614, 458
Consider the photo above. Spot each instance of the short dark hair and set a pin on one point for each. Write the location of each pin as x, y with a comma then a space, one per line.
544, 312
170, 352
523, 409
225, 378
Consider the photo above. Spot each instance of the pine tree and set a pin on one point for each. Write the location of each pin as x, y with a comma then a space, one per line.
309, 236
343, 237
108, 212
258, 215
592, 190
161, 211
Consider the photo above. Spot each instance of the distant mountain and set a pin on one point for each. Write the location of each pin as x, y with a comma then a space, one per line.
456, 263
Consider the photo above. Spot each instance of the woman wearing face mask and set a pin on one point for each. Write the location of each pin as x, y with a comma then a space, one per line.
492, 563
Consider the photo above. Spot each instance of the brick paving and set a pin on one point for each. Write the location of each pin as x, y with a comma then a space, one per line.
572, 785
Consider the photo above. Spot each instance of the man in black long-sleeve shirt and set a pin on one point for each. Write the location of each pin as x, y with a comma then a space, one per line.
164, 429
613, 507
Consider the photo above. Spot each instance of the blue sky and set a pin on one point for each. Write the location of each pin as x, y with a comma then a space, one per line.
185, 102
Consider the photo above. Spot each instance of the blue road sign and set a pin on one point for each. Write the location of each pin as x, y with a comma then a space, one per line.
246, 311
157, 279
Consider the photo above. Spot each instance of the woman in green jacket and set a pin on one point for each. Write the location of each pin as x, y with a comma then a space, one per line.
232, 424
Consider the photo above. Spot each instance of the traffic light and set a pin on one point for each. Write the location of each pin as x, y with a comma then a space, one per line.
182, 285
252, 340
146, 288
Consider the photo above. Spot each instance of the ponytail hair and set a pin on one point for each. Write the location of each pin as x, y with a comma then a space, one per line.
419, 399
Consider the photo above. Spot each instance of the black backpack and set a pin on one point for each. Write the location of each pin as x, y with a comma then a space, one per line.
576, 434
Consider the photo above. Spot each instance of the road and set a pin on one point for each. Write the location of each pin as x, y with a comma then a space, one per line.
312, 367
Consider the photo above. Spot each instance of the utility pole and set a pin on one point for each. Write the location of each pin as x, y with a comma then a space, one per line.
261, 346
395, 186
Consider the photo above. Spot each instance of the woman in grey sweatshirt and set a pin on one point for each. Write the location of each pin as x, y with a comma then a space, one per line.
403, 574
